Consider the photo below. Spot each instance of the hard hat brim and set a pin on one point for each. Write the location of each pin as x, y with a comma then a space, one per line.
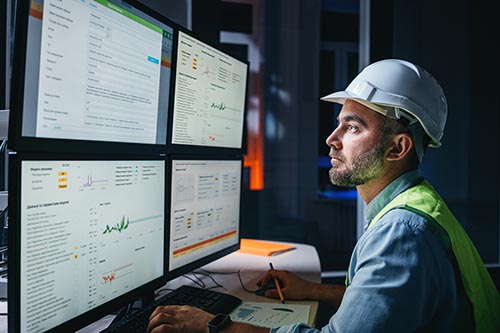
341, 96
338, 97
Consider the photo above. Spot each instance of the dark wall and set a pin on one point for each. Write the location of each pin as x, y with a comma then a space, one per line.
455, 45
291, 102
453, 40
426, 33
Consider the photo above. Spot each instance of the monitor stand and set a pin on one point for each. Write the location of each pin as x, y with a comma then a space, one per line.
148, 298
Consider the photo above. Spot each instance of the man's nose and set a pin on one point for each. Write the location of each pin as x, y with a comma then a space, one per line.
333, 140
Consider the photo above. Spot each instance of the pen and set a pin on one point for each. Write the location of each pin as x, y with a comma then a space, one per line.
282, 298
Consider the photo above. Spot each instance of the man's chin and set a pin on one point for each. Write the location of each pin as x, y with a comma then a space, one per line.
341, 184
339, 179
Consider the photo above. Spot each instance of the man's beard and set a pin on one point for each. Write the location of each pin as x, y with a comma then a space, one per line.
363, 169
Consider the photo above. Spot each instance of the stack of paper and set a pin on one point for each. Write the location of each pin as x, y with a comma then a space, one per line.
263, 248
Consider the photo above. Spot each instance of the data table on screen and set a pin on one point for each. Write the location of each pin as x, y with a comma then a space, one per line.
205, 208
88, 234
210, 96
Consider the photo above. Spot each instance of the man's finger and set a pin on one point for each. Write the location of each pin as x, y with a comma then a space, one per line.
272, 293
159, 319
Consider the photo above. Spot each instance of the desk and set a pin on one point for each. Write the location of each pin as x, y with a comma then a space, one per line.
304, 261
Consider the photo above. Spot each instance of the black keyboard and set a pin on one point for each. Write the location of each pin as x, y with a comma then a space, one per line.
209, 300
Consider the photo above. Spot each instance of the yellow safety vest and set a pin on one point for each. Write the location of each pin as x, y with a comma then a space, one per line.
426, 202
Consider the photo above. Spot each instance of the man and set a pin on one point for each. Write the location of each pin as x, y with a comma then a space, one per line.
414, 269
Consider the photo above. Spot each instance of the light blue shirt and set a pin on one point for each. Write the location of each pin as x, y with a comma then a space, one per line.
402, 276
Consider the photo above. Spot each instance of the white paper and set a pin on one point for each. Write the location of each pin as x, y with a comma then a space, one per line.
270, 314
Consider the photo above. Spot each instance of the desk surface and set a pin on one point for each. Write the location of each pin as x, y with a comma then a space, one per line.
304, 261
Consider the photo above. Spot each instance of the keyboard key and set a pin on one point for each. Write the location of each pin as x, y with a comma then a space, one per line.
209, 300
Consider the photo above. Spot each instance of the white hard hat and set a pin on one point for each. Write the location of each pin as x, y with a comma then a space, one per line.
391, 86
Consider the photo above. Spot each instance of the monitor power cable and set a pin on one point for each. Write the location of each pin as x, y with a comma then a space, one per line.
238, 272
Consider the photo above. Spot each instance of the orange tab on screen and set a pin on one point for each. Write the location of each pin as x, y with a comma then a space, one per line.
263, 248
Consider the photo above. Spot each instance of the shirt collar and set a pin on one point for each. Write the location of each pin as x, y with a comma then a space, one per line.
398, 185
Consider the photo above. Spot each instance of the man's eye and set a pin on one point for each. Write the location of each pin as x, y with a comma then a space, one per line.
352, 128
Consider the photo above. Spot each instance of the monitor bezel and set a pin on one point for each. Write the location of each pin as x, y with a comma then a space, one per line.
18, 142
175, 148
14, 236
172, 274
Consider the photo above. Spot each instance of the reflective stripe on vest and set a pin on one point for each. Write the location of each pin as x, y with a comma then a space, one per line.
425, 201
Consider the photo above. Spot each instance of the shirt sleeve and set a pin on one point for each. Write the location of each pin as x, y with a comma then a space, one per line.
394, 285
295, 328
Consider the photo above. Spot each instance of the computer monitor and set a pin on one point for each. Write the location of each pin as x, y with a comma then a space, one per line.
209, 100
87, 235
90, 71
205, 208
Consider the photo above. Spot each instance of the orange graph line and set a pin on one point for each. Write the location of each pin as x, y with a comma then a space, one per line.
109, 278
203, 243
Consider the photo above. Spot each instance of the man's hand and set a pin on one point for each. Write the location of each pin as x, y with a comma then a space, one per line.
188, 319
296, 288
293, 287
179, 319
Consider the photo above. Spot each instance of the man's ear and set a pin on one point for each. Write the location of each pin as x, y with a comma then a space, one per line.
399, 147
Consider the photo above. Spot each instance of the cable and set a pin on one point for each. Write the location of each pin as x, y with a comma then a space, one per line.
216, 284
197, 281
159, 291
125, 310
239, 278
243, 285
220, 273
200, 283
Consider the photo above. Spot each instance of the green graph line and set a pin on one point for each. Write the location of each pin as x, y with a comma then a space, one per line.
220, 106
118, 227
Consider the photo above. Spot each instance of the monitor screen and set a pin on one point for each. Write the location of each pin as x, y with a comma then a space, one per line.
89, 232
92, 70
209, 99
205, 211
